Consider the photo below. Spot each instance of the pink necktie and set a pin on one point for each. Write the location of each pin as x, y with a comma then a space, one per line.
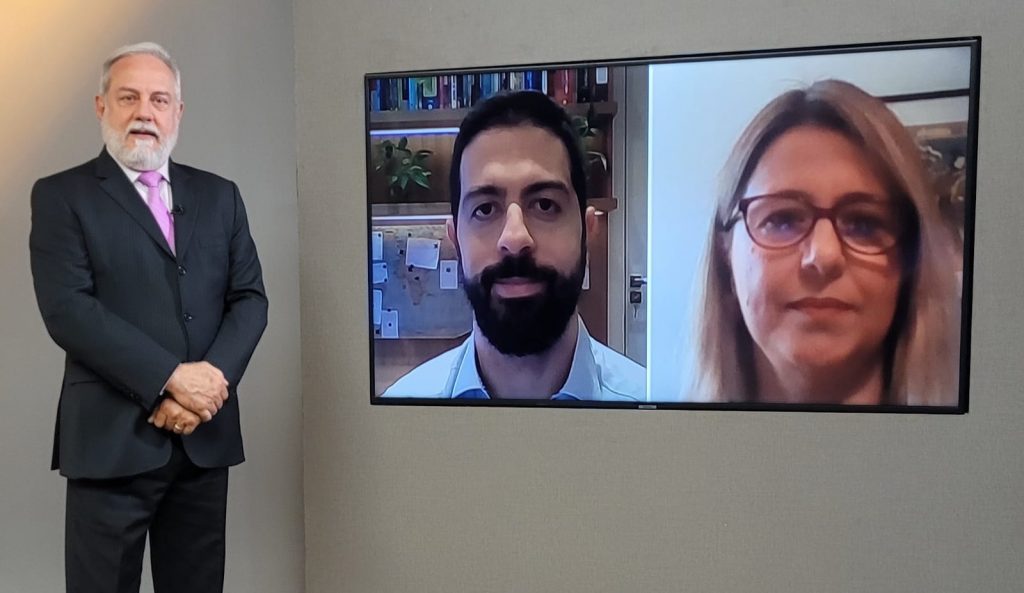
151, 179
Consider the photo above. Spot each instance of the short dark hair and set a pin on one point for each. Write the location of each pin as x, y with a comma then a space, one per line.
512, 109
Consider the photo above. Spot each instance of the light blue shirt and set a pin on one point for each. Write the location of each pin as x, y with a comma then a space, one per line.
598, 373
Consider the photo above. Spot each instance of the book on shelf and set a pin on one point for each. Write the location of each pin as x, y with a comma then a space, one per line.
428, 93
487, 86
396, 94
562, 86
565, 86
600, 84
412, 95
375, 94
465, 90
583, 85
444, 96
531, 80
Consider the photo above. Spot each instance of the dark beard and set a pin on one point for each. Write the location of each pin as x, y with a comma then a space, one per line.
527, 325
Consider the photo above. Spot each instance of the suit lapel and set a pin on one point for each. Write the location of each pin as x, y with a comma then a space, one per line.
117, 186
186, 204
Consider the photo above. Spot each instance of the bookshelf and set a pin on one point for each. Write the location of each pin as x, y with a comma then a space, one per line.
451, 118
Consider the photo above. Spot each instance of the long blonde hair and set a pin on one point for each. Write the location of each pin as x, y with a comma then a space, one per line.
922, 347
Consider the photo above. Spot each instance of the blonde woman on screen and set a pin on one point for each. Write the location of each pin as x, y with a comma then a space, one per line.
828, 274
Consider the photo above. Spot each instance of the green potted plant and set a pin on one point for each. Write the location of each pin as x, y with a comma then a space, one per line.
592, 142
400, 166
591, 138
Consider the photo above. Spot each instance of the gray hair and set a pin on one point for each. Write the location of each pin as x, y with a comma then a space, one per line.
148, 48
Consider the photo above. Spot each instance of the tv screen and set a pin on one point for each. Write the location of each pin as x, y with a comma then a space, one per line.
771, 230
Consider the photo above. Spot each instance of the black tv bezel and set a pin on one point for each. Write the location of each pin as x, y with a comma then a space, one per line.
973, 42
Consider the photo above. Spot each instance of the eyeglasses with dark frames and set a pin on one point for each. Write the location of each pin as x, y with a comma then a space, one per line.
865, 223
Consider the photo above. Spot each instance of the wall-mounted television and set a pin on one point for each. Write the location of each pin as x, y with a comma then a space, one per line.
759, 230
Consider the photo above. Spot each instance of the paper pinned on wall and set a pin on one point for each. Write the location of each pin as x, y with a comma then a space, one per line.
389, 324
377, 245
422, 253
380, 273
449, 274
378, 301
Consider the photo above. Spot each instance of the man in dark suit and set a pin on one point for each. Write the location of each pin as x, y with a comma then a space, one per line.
147, 277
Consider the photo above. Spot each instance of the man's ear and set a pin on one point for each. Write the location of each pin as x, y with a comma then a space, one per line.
452, 236
100, 106
590, 223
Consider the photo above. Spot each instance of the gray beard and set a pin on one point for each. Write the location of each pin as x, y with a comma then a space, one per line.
141, 157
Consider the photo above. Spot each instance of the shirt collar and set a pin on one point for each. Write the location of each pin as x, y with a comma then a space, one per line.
133, 175
468, 383
583, 381
581, 384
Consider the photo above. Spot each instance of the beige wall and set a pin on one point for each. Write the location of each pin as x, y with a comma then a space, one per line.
237, 59
465, 500
425, 499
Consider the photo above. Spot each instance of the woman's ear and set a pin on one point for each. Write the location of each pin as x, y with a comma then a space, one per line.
723, 254
723, 247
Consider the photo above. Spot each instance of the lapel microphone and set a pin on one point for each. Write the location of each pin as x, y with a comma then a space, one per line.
178, 210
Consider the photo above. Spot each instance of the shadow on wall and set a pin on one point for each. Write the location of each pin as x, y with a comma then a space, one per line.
50, 64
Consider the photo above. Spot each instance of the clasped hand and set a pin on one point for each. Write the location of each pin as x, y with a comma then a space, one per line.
171, 416
197, 391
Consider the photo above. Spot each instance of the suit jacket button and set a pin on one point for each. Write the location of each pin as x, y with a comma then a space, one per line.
188, 317
181, 270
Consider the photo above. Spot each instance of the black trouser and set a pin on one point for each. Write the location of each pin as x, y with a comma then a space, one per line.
182, 507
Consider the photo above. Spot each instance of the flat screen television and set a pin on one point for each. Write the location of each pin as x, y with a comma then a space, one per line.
759, 230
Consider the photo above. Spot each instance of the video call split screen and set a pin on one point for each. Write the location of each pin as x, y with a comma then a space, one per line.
771, 230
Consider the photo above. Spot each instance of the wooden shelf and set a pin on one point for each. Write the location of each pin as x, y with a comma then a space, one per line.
442, 210
452, 118
604, 204
938, 131
420, 210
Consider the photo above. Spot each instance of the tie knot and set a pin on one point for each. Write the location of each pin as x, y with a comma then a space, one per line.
151, 179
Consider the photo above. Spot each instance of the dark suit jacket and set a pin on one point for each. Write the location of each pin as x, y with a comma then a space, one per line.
127, 311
